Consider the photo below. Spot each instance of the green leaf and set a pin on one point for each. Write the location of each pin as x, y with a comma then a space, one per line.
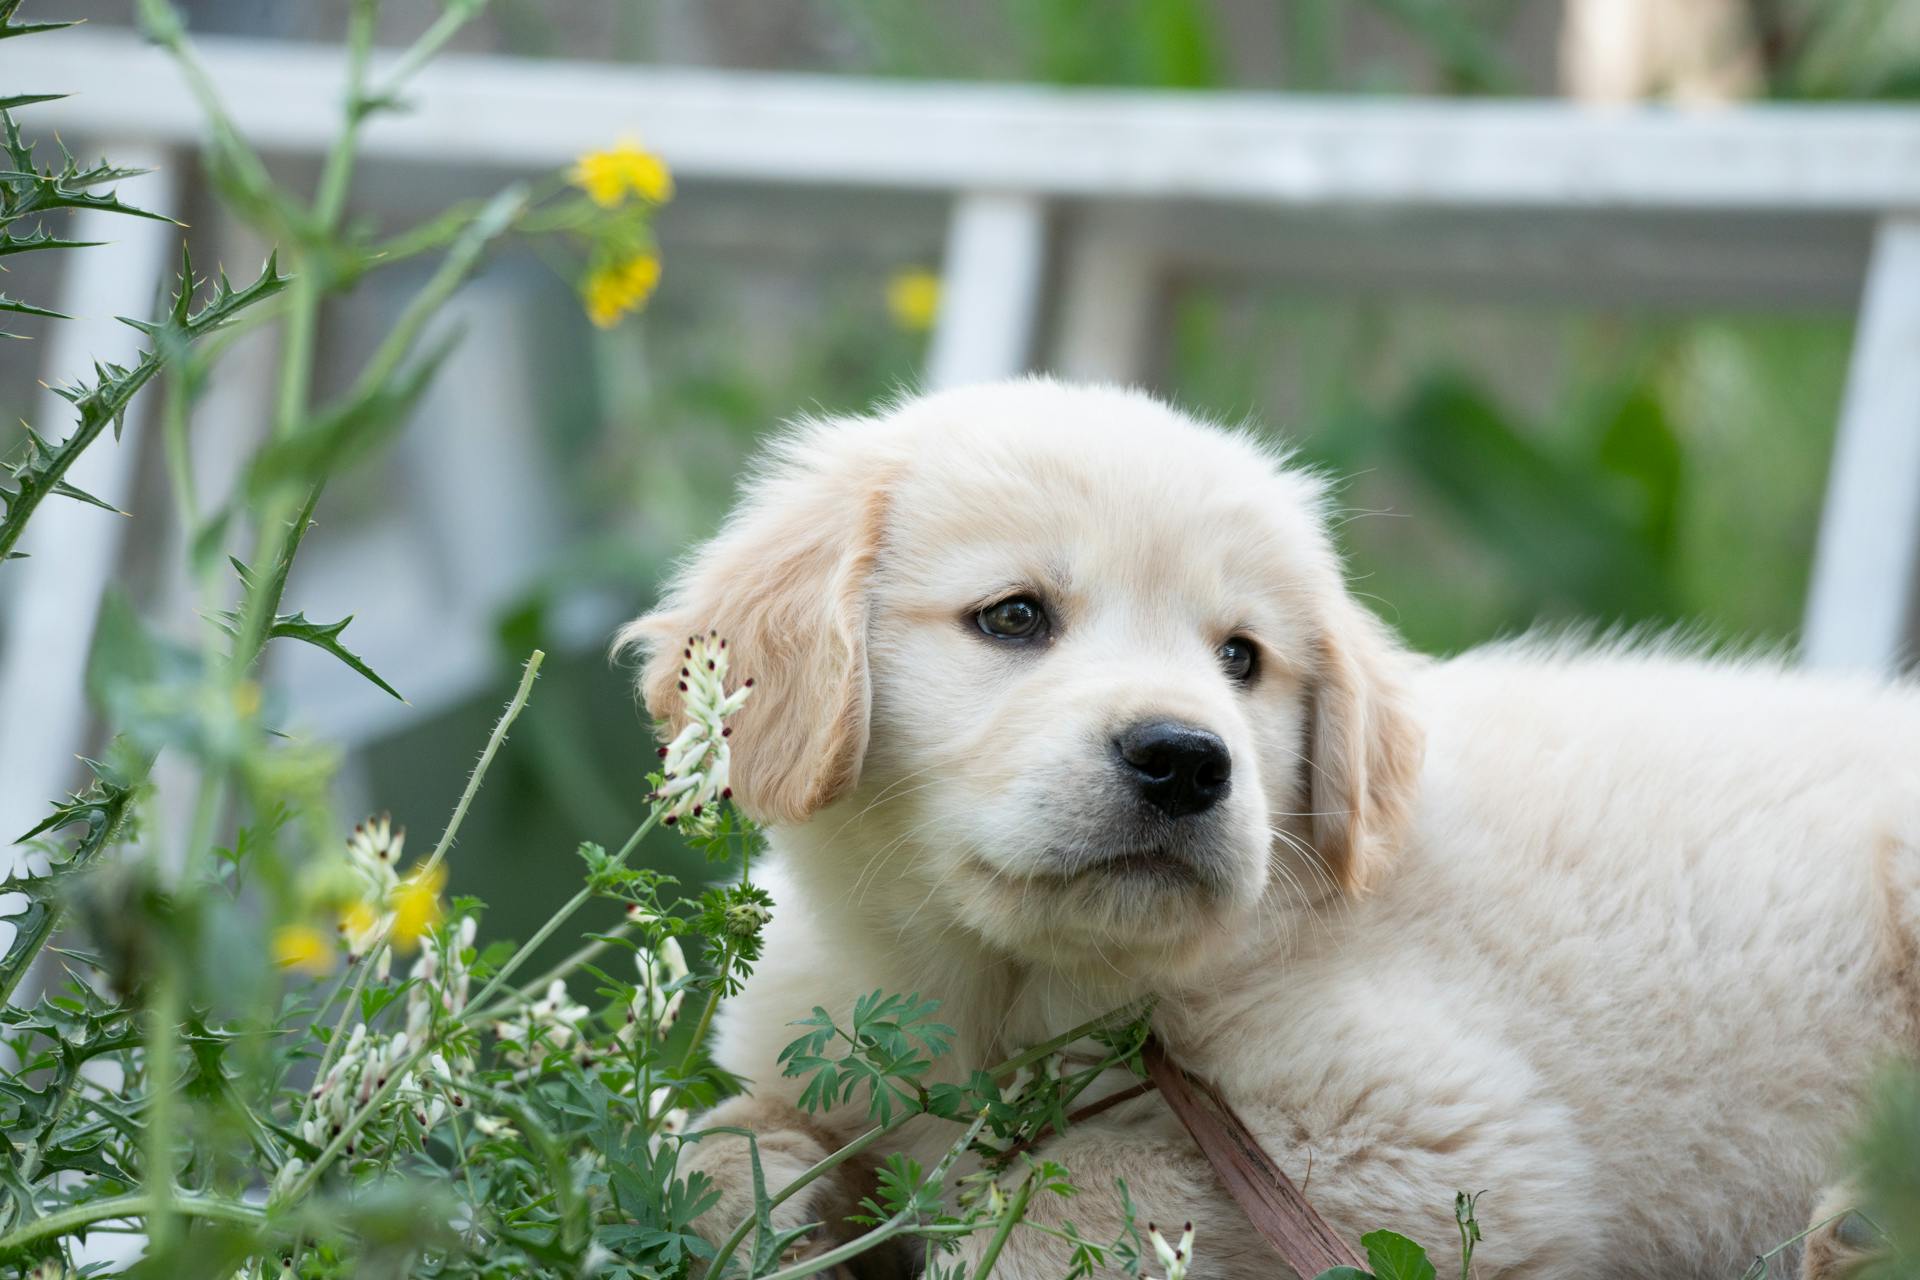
28, 309
65, 490
28, 99
10, 244
1394, 1257
350, 430
10, 28
1566, 542
103, 809
1343, 1273
297, 627
103, 402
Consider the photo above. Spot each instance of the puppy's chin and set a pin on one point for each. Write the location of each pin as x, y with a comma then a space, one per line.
1145, 913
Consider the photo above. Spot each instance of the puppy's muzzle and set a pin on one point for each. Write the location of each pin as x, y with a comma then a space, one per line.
1176, 768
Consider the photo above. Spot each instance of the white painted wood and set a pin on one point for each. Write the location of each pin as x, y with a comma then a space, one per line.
990, 289
1865, 598
1107, 304
53, 596
839, 131
1467, 160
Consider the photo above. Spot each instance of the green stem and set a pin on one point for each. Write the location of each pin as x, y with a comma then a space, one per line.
498, 216
174, 413
418, 1055
1008, 1221
296, 347
452, 18
706, 1012
162, 1071
280, 533
531, 990
206, 812
903, 1221
719, 983
559, 918
260, 200
1027, 1058
331, 199
139, 1205
518, 703
515, 706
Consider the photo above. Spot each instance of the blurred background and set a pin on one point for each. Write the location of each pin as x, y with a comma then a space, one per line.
1556, 389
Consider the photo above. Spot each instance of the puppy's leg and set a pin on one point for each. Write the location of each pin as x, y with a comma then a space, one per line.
1841, 1242
1169, 1183
789, 1143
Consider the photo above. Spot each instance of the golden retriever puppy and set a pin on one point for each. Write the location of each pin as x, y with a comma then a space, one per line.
1062, 701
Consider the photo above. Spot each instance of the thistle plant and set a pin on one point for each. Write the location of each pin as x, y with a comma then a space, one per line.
269, 1044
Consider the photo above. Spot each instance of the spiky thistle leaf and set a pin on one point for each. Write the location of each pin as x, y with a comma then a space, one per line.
103, 401
102, 809
10, 28
297, 626
41, 240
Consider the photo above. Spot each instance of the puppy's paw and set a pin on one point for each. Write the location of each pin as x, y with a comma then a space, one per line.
1842, 1242
788, 1147
1026, 1256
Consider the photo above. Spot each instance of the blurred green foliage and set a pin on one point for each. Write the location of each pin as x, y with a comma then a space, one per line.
1887, 1152
1614, 470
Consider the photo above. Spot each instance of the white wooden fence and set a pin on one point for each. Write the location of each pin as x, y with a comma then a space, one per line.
1095, 197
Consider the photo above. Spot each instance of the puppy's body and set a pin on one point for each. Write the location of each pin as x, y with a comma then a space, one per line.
1622, 947
1642, 947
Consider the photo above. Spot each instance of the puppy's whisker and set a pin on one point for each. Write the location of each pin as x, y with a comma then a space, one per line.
869, 873
1310, 860
873, 863
887, 794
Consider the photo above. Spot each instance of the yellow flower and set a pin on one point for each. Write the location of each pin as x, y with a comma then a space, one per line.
914, 299
608, 176
416, 905
302, 947
613, 291
358, 919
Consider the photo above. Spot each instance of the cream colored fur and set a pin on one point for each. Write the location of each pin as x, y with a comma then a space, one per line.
1616, 934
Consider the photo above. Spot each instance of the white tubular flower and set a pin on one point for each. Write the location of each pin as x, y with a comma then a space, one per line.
282, 1181
695, 763
375, 848
373, 852
363, 1069
1176, 1258
441, 978
652, 1003
548, 1025
492, 1126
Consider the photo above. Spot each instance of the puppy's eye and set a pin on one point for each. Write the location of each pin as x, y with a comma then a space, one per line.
1237, 658
1015, 618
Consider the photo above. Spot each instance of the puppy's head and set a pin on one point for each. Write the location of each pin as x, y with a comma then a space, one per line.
1058, 666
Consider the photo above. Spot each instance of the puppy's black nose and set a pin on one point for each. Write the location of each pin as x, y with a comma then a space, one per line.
1176, 768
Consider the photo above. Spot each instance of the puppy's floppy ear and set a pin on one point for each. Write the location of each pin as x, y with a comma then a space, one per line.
784, 583
1364, 746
